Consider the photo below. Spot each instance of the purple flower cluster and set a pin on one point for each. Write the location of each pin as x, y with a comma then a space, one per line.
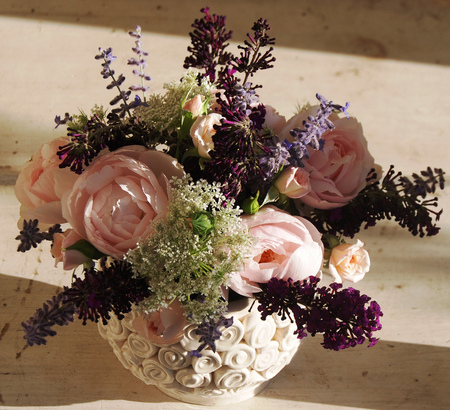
314, 128
139, 62
395, 197
343, 316
55, 312
209, 332
112, 288
30, 235
86, 143
209, 41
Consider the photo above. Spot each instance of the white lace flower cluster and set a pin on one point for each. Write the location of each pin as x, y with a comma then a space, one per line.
193, 251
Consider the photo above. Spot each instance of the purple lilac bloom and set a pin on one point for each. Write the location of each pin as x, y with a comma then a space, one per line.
209, 41
341, 315
30, 235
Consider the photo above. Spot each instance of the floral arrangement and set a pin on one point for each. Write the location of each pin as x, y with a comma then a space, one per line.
175, 204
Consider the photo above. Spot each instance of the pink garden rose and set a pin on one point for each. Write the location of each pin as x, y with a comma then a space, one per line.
339, 171
274, 120
115, 200
293, 182
194, 105
286, 246
41, 184
164, 327
202, 132
349, 262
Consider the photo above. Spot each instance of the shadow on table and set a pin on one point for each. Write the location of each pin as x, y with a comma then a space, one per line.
417, 30
78, 366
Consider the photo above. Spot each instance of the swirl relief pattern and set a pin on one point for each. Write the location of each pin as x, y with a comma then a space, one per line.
249, 354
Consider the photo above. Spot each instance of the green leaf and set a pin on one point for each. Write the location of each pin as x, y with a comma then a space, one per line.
86, 248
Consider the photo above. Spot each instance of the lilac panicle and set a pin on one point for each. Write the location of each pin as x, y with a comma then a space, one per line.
112, 288
394, 197
251, 59
30, 235
209, 41
343, 316
109, 289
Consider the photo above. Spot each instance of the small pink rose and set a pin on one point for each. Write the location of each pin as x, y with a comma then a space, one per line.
41, 184
349, 262
114, 201
274, 120
286, 247
339, 171
194, 105
164, 327
202, 132
293, 182
70, 258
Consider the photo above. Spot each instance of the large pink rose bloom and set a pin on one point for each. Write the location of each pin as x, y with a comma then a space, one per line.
286, 247
339, 171
41, 184
115, 200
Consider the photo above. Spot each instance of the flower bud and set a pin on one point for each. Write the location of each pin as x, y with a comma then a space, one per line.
251, 205
293, 182
202, 223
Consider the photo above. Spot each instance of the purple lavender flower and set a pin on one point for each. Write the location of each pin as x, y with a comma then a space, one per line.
65, 120
139, 62
313, 129
55, 312
110, 289
209, 332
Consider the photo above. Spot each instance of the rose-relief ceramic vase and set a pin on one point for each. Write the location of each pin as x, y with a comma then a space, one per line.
249, 354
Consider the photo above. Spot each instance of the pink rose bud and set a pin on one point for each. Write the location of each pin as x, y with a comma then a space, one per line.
293, 182
349, 262
202, 132
194, 105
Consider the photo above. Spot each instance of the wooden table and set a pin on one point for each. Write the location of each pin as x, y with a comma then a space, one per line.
388, 58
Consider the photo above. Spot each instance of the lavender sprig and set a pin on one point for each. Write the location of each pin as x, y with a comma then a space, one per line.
56, 311
313, 129
209, 332
139, 62
65, 120
343, 316
108, 72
